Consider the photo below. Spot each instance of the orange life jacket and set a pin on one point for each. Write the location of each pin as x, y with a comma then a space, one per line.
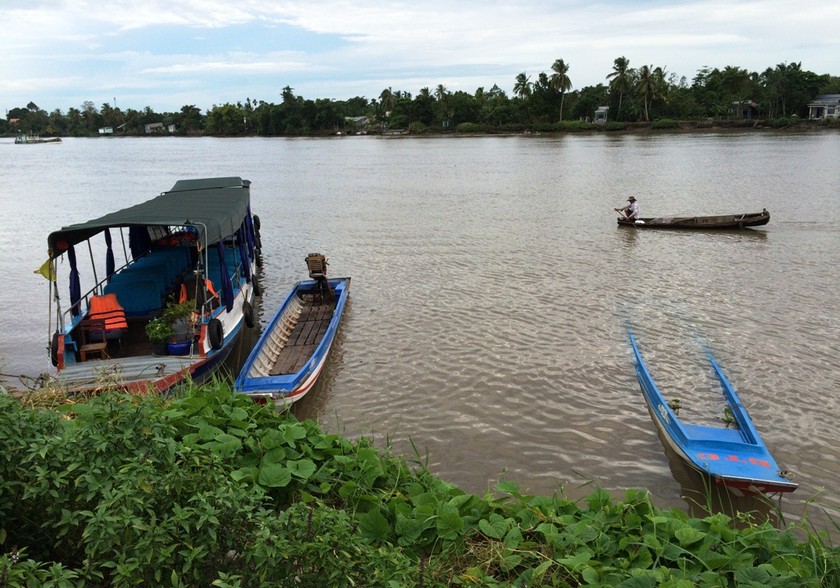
107, 308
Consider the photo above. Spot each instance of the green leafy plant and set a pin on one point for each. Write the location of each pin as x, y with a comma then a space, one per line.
211, 489
162, 329
176, 311
159, 330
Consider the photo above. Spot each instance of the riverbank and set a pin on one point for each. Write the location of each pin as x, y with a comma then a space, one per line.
792, 124
121, 480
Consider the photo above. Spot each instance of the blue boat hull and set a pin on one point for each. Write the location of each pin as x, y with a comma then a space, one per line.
256, 378
736, 458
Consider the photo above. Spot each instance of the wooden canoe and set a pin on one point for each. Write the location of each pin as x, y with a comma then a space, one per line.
724, 221
736, 458
292, 350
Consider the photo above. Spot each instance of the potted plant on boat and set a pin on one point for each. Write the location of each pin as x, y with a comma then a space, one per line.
160, 332
181, 316
173, 331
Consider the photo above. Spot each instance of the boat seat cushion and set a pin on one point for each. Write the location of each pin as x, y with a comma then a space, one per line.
138, 297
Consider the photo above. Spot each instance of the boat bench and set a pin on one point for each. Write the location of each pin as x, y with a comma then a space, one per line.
720, 434
141, 287
139, 297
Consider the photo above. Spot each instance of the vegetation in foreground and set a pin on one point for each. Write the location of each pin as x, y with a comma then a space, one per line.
212, 490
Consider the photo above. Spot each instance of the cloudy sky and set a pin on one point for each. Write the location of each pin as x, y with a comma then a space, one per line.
167, 54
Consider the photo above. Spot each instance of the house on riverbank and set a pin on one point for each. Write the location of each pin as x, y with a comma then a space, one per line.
825, 106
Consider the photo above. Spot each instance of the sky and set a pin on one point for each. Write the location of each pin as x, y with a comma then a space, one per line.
168, 54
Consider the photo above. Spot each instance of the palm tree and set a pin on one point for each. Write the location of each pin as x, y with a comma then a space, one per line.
622, 79
440, 92
560, 81
522, 88
386, 101
660, 85
646, 87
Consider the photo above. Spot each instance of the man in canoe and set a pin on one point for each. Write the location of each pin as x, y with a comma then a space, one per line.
631, 211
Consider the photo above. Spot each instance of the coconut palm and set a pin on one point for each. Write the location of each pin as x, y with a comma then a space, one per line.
621, 78
646, 87
560, 81
522, 88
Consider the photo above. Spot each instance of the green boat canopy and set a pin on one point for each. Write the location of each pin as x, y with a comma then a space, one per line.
215, 207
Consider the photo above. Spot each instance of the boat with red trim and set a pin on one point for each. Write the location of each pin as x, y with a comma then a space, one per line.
735, 457
167, 301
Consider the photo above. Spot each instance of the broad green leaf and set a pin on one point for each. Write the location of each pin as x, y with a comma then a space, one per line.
209, 432
639, 582
577, 560
244, 474
590, 575
508, 487
752, 578
449, 524
276, 455
511, 561
347, 489
598, 500
490, 529
513, 538
303, 468
374, 526
274, 476
238, 414
687, 535
271, 439
226, 444
408, 529
293, 432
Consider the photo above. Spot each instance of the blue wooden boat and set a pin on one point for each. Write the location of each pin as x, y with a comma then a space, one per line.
736, 458
198, 243
291, 352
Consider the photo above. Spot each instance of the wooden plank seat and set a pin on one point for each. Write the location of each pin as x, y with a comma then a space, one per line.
310, 328
92, 341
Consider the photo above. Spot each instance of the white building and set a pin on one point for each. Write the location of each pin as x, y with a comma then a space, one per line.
825, 106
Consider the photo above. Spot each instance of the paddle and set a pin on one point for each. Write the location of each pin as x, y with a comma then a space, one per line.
626, 218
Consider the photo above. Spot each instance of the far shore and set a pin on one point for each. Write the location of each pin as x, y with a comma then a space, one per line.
785, 125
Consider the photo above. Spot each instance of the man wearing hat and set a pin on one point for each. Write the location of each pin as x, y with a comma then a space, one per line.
631, 211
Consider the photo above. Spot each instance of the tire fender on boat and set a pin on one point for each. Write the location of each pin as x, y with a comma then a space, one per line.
255, 286
54, 349
257, 240
215, 333
248, 313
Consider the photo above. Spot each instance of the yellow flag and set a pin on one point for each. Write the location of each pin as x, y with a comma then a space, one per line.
46, 270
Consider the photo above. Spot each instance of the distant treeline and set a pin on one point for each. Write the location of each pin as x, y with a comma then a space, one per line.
549, 102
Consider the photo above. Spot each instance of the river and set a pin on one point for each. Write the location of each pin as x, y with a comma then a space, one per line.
492, 289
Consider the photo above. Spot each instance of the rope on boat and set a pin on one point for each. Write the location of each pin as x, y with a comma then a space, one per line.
31, 383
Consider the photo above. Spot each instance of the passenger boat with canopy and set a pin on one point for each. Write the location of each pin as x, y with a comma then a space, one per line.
174, 306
